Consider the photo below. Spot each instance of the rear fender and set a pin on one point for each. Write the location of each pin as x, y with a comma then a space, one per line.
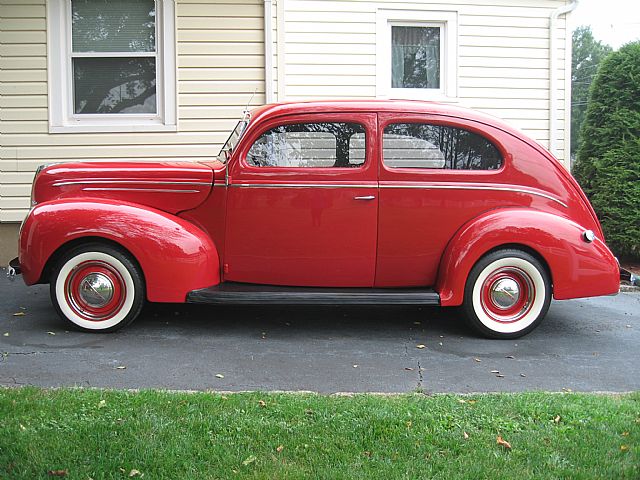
175, 255
577, 268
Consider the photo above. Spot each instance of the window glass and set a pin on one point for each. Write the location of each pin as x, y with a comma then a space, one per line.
420, 145
415, 57
113, 25
114, 85
357, 148
108, 84
318, 145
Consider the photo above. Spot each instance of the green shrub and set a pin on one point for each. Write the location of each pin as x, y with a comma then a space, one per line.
608, 162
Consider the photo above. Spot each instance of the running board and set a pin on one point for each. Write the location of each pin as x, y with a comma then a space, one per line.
252, 294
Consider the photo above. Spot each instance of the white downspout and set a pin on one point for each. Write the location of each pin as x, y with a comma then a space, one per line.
268, 51
553, 72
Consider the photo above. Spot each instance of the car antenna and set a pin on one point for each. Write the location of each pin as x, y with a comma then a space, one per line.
246, 113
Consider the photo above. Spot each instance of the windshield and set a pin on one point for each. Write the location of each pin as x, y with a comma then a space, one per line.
232, 141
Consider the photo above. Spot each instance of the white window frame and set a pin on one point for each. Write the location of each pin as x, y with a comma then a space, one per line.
447, 21
62, 118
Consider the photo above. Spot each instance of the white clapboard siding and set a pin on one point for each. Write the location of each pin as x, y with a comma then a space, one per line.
502, 60
220, 58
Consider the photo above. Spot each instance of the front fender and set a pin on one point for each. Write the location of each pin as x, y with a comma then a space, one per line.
577, 268
175, 255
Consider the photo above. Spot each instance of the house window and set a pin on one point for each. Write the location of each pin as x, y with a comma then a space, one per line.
111, 65
416, 54
415, 57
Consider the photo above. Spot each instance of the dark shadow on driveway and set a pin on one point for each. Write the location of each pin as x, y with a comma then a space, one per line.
586, 344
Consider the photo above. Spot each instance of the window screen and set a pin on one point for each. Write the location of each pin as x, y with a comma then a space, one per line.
311, 145
421, 145
124, 80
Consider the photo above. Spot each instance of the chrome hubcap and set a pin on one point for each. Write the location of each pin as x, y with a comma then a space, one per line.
96, 290
505, 293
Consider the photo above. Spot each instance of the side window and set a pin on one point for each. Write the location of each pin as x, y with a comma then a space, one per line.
421, 145
310, 145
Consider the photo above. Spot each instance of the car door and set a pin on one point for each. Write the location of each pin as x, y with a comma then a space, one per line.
436, 173
302, 203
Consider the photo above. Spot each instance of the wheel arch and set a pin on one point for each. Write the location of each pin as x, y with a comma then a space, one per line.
174, 255
576, 268
525, 248
78, 241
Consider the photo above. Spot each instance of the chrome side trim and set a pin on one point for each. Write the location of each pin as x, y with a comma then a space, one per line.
143, 182
478, 187
127, 189
387, 185
301, 185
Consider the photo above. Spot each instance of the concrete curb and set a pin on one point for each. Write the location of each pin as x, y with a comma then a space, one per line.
311, 392
629, 289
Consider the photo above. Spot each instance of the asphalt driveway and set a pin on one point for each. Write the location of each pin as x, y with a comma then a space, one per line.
583, 345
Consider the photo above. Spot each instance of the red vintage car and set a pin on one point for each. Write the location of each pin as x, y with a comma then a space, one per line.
342, 202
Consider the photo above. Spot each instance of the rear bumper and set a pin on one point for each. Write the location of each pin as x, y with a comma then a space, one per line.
14, 268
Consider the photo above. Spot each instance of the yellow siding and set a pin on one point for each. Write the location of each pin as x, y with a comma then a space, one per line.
220, 65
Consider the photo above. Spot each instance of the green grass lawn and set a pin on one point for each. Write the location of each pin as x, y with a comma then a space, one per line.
112, 434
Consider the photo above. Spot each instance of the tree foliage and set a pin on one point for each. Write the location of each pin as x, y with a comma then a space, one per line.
608, 162
587, 53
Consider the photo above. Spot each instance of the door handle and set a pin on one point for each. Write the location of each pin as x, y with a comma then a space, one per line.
366, 197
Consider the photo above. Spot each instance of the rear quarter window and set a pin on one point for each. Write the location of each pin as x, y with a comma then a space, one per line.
429, 146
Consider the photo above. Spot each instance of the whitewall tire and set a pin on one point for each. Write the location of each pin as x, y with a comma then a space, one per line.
97, 288
507, 294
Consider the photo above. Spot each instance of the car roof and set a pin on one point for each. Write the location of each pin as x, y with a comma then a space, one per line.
397, 106
379, 105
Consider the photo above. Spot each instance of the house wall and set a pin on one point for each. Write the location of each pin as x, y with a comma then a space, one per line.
324, 48
220, 62
502, 56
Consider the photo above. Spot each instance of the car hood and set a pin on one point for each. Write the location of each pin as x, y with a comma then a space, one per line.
167, 186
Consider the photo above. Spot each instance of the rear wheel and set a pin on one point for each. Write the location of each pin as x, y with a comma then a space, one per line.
507, 294
97, 288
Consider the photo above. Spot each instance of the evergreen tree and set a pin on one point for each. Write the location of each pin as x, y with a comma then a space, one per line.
608, 162
586, 55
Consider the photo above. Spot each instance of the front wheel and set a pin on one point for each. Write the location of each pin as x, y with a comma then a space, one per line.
97, 288
507, 294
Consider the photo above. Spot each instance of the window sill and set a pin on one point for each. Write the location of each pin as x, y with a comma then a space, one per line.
418, 94
88, 127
